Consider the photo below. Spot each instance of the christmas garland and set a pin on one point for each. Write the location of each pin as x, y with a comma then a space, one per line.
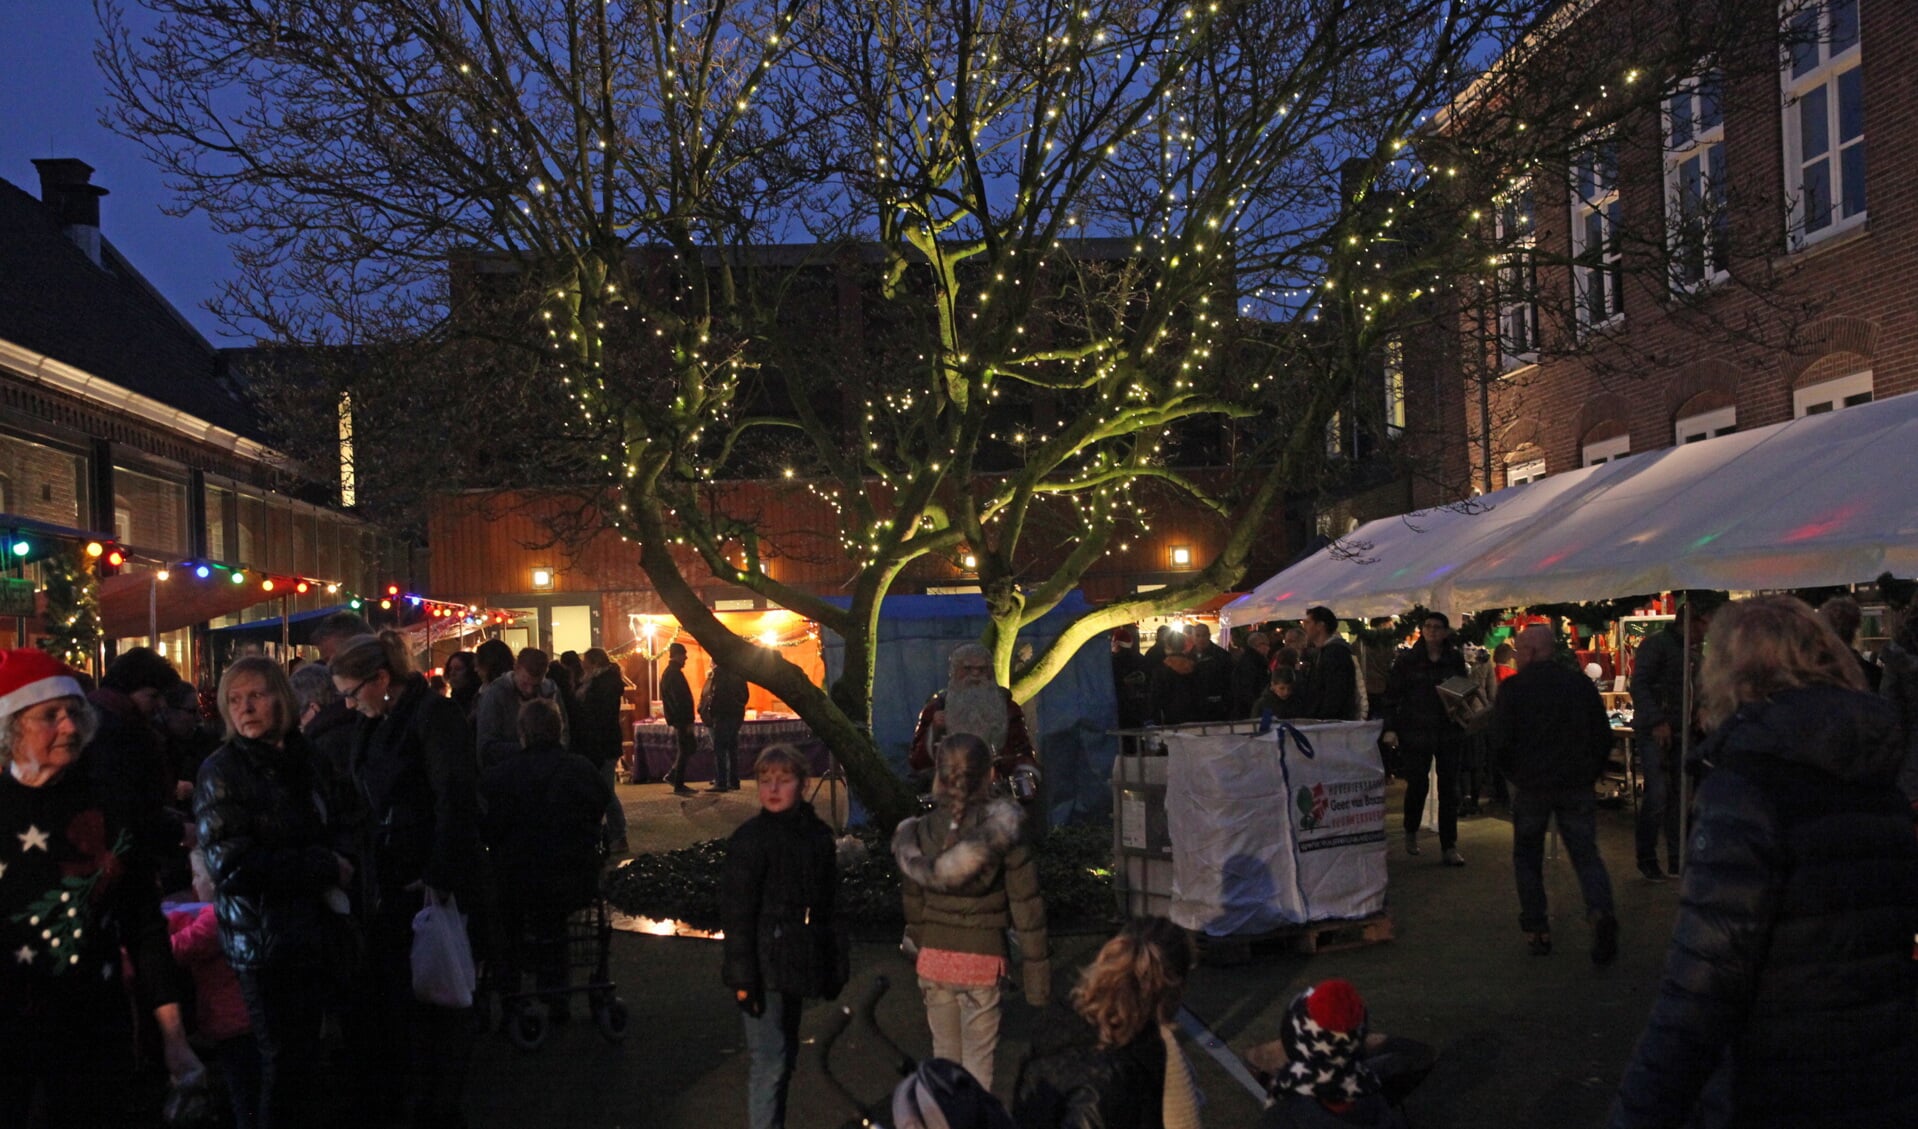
73, 610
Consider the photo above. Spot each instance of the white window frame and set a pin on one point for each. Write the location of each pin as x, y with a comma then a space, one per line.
1824, 81
1701, 426
1598, 271
1393, 365
1830, 395
1697, 219
1335, 436
1531, 470
1607, 450
1515, 231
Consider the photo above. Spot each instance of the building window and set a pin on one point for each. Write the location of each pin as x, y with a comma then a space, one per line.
1394, 366
1705, 425
1824, 97
1517, 283
1697, 221
1607, 450
1597, 268
1518, 474
1830, 395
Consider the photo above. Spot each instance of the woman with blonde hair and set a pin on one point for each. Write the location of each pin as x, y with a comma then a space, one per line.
1787, 997
1111, 1059
263, 826
966, 876
414, 763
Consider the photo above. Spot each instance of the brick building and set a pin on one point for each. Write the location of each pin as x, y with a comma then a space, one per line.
1724, 257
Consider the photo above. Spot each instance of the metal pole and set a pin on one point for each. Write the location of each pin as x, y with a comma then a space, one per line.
285, 628
153, 610
1685, 734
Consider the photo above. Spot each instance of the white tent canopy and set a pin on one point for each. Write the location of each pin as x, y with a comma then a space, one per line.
1827, 499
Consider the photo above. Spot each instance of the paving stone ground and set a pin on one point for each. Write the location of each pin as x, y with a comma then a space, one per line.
1523, 1041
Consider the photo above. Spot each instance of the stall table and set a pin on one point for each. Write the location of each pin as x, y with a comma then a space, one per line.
655, 747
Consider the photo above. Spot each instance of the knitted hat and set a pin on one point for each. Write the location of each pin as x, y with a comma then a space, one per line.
1324, 1033
29, 677
942, 1095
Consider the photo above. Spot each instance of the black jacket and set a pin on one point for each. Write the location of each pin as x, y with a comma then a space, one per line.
1549, 729
543, 811
1899, 686
723, 702
1212, 678
419, 777
776, 898
1067, 1082
1658, 681
261, 814
1251, 675
1331, 683
1131, 682
1413, 708
131, 773
675, 696
1173, 697
1787, 997
598, 737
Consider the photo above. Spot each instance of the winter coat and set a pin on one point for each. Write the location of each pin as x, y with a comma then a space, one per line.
1330, 688
962, 895
1658, 682
723, 701
675, 696
1067, 1082
131, 773
1413, 708
1787, 997
542, 823
262, 822
1212, 678
1899, 686
776, 905
420, 782
1173, 697
1549, 730
219, 1011
1251, 676
331, 735
1131, 681
598, 737
496, 718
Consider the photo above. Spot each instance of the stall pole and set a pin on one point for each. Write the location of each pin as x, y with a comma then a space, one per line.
1685, 735
286, 629
153, 610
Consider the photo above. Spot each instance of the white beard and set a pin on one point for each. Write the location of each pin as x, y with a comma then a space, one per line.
978, 710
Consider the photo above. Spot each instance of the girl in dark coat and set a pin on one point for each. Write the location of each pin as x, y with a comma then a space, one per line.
1788, 991
417, 773
262, 822
1110, 1060
776, 899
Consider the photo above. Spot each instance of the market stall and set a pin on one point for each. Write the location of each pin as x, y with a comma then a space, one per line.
657, 746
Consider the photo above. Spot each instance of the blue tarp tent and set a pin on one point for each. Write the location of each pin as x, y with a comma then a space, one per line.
1068, 719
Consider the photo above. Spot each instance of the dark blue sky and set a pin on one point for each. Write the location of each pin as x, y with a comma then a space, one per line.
51, 97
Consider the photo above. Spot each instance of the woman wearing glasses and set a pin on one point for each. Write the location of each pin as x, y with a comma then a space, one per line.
414, 765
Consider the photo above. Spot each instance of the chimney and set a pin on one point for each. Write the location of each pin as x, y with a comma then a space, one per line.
67, 193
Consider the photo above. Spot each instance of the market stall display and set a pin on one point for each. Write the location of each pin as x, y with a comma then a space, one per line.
655, 746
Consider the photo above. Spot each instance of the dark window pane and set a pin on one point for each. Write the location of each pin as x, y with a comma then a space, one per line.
1857, 398
1851, 104
1851, 165
1844, 26
1594, 234
1804, 41
1814, 132
1711, 112
1679, 110
1817, 195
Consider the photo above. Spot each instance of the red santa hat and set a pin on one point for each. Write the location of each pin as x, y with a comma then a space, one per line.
29, 677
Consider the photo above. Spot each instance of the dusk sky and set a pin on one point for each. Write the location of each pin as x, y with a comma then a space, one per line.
51, 98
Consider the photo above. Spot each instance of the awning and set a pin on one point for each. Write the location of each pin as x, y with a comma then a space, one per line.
1817, 501
42, 539
299, 627
130, 601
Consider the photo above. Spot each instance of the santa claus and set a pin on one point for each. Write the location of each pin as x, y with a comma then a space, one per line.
973, 703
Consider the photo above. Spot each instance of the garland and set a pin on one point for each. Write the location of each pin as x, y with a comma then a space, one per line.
73, 610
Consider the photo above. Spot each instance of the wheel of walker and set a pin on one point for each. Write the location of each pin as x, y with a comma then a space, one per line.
612, 1020
527, 1027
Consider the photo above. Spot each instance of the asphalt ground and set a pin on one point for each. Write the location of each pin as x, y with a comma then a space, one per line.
1522, 1041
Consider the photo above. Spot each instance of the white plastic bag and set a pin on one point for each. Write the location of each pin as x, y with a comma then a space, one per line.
443, 972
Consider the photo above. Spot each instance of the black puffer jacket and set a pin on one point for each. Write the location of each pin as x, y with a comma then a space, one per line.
418, 775
260, 812
1067, 1082
1788, 990
543, 809
776, 898
1413, 708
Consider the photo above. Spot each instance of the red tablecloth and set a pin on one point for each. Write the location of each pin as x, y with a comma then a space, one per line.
656, 747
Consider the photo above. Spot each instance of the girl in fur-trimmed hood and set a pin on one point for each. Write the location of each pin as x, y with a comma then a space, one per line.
966, 878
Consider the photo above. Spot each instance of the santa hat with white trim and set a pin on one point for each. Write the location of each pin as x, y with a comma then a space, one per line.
29, 677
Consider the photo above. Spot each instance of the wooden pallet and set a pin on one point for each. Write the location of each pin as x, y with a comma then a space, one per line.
1306, 940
